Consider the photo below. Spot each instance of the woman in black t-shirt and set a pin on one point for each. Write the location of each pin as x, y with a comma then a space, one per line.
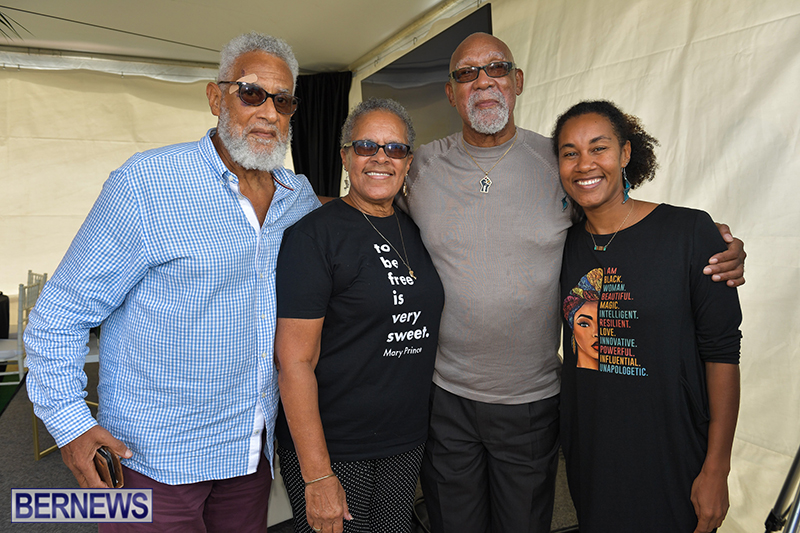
646, 431
359, 304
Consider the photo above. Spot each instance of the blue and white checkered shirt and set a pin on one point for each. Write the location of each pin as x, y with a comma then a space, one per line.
172, 262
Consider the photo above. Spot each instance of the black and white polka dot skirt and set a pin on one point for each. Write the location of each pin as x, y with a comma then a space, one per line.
380, 492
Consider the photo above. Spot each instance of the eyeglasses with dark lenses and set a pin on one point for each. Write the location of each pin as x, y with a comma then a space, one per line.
496, 69
368, 148
252, 94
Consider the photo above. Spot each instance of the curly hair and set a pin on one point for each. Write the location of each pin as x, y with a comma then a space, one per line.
256, 42
377, 104
642, 166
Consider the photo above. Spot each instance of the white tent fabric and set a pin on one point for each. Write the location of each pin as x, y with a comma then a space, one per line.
61, 133
166, 71
716, 82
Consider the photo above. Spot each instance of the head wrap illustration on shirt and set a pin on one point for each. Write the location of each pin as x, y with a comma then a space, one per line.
580, 311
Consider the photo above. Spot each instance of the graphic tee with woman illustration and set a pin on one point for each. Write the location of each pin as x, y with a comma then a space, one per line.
640, 322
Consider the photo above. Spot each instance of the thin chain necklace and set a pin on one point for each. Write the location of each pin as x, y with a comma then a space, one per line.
402, 241
604, 248
486, 182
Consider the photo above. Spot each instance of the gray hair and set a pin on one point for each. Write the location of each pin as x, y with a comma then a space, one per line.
377, 104
256, 42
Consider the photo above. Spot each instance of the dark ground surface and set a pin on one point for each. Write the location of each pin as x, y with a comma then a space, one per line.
19, 470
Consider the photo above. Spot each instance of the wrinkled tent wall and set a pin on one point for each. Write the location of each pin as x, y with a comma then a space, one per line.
61, 134
716, 82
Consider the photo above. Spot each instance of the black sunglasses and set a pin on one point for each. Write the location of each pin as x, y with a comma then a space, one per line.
496, 69
368, 148
252, 94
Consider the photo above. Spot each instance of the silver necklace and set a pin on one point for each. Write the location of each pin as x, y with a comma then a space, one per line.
402, 242
604, 248
486, 182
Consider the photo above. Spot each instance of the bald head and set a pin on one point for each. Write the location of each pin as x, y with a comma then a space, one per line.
476, 44
486, 103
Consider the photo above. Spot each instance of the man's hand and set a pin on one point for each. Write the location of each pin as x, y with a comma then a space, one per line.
710, 501
728, 266
78, 455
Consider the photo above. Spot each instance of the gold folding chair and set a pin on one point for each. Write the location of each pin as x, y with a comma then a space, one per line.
12, 351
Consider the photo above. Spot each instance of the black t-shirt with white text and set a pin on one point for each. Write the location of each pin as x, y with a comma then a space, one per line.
380, 331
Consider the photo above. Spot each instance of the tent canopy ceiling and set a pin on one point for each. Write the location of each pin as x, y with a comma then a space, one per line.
326, 36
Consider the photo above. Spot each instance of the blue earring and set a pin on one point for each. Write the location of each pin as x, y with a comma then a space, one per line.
564, 203
626, 184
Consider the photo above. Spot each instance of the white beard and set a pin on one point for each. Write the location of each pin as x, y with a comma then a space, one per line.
265, 156
488, 121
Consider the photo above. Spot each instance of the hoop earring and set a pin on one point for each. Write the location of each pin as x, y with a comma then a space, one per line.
626, 184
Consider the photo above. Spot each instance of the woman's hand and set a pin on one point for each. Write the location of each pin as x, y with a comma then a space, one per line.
710, 489
326, 506
297, 348
710, 500
728, 266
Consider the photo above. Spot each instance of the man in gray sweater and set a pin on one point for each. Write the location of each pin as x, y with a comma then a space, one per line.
487, 201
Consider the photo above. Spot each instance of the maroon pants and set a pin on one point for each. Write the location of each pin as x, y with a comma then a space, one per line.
237, 504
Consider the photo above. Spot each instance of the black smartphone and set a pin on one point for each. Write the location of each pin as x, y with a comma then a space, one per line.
105, 455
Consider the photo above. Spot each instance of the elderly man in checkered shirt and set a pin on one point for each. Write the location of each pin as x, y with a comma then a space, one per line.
176, 259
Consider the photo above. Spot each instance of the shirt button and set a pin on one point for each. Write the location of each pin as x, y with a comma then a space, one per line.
263, 355
264, 317
261, 275
263, 394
